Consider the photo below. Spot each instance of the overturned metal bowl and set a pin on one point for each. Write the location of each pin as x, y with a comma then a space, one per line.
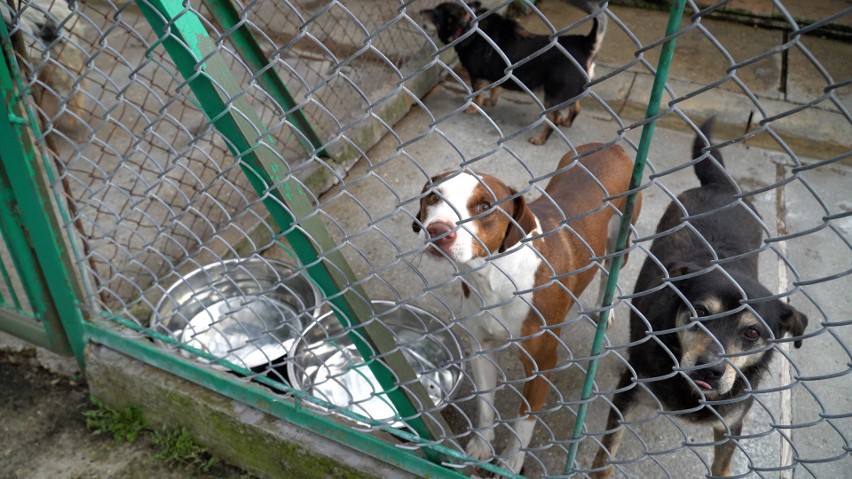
248, 312
325, 363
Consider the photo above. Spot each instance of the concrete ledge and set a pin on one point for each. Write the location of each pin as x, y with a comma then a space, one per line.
814, 131
238, 434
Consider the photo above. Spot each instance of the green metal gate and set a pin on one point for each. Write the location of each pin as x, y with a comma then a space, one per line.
38, 295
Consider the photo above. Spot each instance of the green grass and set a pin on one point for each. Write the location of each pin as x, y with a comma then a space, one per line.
124, 425
173, 446
178, 448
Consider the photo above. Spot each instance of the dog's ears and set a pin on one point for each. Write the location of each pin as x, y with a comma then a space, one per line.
680, 269
418, 220
794, 322
521, 224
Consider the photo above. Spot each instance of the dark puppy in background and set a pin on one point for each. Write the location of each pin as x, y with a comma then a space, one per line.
712, 322
549, 69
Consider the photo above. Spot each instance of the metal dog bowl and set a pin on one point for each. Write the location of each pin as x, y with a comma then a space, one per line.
248, 312
325, 363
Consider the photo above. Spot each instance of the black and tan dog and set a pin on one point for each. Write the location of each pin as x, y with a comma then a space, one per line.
535, 62
712, 324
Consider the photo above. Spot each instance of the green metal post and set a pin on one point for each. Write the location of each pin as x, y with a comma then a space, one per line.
624, 229
64, 220
41, 260
199, 61
6, 201
250, 51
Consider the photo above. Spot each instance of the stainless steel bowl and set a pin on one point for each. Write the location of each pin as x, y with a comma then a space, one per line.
245, 311
325, 363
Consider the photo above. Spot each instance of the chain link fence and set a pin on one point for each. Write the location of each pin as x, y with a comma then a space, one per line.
156, 199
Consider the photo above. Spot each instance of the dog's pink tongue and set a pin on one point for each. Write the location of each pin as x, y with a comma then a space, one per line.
703, 384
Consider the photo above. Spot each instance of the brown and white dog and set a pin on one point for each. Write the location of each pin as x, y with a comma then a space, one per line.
523, 267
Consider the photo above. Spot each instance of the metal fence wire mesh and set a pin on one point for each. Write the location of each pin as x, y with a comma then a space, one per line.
155, 194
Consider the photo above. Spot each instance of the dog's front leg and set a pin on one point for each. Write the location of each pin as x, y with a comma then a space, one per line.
573, 111
538, 358
514, 455
624, 405
485, 377
485, 371
611, 240
477, 84
492, 99
546, 130
723, 453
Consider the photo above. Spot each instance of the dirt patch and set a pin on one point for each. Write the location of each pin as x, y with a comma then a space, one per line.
43, 432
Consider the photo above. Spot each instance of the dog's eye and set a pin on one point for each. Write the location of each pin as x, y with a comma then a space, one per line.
752, 334
432, 199
483, 207
701, 311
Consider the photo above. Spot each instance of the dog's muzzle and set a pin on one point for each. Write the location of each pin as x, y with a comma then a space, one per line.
708, 373
459, 32
441, 234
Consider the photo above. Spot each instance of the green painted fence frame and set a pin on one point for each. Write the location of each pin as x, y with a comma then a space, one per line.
45, 265
234, 27
30, 228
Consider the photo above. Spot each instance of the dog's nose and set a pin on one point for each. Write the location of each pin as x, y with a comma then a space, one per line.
711, 368
441, 232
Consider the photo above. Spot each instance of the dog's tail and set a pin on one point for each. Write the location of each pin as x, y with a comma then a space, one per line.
708, 171
596, 9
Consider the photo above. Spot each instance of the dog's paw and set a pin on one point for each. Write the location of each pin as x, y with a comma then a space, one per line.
471, 110
537, 140
489, 102
514, 463
479, 449
596, 317
605, 474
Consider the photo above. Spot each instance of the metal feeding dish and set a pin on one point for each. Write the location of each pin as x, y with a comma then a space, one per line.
248, 312
325, 363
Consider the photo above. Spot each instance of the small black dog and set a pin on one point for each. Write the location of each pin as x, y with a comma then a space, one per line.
712, 324
549, 68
